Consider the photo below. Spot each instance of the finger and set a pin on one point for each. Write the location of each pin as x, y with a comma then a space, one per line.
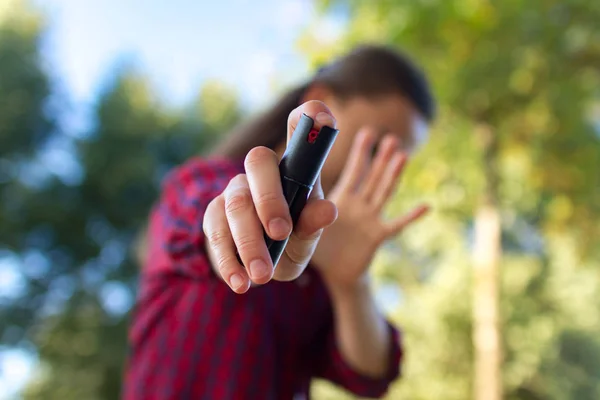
358, 160
316, 216
397, 225
389, 180
317, 110
246, 230
220, 241
262, 172
379, 166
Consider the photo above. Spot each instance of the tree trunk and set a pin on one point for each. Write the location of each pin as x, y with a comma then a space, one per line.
486, 259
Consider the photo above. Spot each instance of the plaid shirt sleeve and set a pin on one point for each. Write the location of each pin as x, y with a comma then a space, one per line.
332, 367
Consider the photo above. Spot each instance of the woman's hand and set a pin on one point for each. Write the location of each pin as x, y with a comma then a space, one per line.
252, 201
347, 247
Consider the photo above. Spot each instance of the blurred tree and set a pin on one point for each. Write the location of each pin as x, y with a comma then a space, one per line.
26, 126
124, 159
72, 205
512, 169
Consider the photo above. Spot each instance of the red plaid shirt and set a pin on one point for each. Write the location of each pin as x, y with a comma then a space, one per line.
193, 338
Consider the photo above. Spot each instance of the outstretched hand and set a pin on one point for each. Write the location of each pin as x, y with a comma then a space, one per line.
253, 202
347, 246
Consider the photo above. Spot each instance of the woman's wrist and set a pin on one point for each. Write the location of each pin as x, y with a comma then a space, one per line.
361, 332
344, 291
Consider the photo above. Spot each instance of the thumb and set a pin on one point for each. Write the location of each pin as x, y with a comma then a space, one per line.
316, 216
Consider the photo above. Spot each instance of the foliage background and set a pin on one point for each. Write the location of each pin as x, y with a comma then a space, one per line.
529, 69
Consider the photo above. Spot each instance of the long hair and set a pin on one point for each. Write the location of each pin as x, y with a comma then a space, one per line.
368, 70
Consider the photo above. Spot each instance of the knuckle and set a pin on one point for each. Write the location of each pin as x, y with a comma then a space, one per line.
239, 200
372, 207
269, 198
248, 243
258, 155
214, 205
224, 263
238, 180
296, 257
217, 238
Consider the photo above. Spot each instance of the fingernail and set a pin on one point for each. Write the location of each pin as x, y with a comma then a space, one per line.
325, 119
259, 269
279, 228
236, 281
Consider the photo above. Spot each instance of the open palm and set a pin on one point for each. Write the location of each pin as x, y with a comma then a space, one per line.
347, 247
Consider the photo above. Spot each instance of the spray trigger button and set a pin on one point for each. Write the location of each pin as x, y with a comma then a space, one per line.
312, 136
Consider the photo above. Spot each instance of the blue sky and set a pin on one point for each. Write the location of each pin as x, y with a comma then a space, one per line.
177, 44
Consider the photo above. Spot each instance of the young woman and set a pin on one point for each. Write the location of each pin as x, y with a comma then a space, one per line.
209, 327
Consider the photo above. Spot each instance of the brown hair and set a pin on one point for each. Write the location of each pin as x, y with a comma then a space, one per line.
368, 70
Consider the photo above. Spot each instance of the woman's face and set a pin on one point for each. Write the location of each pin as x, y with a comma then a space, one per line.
388, 114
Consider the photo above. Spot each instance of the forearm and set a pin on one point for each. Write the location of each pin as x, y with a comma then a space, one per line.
362, 333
